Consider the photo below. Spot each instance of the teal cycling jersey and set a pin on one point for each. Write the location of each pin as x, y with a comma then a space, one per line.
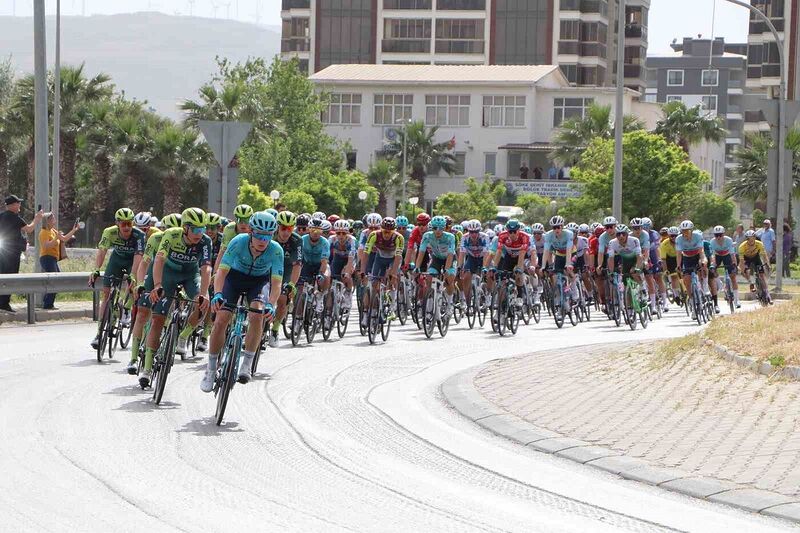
558, 244
602, 243
723, 246
644, 239
314, 252
239, 257
691, 246
439, 247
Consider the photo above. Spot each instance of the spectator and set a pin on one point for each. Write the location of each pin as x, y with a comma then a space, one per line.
50, 241
280, 207
738, 235
12, 242
537, 173
565, 173
523, 171
767, 237
552, 173
788, 242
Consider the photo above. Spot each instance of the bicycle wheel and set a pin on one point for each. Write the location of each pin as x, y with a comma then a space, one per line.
697, 305
103, 333
297, 319
456, 310
470, 312
571, 312
402, 302
386, 324
126, 333
427, 310
312, 321
558, 307
483, 304
501, 310
327, 316
512, 318
445, 312
342, 319
287, 320
630, 307
228, 377
166, 355
372, 317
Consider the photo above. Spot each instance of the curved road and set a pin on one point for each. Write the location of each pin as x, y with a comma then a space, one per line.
343, 437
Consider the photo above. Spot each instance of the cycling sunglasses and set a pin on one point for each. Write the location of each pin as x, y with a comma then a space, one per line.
342, 233
261, 236
242, 220
212, 227
557, 227
610, 226
125, 224
197, 230
620, 234
285, 228
513, 230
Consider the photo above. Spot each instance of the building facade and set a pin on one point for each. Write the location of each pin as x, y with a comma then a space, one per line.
578, 35
705, 73
500, 119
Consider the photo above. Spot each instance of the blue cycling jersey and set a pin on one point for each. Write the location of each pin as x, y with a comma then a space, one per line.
580, 246
239, 257
439, 247
644, 240
723, 246
342, 250
558, 244
707, 248
691, 246
475, 244
314, 252
493, 244
602, 243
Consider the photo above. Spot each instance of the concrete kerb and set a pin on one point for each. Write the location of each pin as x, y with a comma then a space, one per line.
42, 315
460, 392
751, 363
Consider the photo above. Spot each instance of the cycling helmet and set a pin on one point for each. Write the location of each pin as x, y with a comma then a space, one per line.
599, 230
423, 218
123, 214
673, 231
364, 219
573, 227
286, 218
664, 231
142, 219
402, 221
538, 228
557, 220
326, 226
636, 222
458, 227
622, 228
263, 222
472, 226
719, 230
172, 221
302, 221
438, 222
527, 229
225, 221
153, 220
194, 216
687, 225
316, 223
498, 228
388, 223
749, 233
609, 221
213, 219
318, 214
491, 234
242, 211
513, 225
271, 211
584, 228
594, 225
341, 225
333, 219
358, 225
374, 219
448, 220
647, 223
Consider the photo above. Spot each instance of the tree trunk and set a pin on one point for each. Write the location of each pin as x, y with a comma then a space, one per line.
172, 193
382, 200
68, 211
135, 199
30, 195
101, 185
4, 181
419, 175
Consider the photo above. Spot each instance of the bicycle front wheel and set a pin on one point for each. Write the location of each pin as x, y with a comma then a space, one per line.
298, 316
372, 317
166, 356
428, 311
228, 377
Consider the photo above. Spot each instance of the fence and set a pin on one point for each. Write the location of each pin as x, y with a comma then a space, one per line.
32, 284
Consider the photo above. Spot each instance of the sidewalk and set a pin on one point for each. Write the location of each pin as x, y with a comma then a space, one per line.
689, 421
65, 311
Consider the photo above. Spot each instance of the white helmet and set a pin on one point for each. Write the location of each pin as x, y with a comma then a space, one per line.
687, 224
749, 233
572, 226
142, 219
318, 214
583, 228
622, 228
538, 228
557, 220
647, 223
374, 219
326, 226
609, 221
673, 230
719, 230
498, 228
472, 225
341, 225
490, 233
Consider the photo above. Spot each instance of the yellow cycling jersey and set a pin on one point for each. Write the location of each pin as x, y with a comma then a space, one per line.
667, 249
750, 251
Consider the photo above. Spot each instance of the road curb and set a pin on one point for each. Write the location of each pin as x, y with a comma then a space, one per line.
751, 363
43, 316
460, 392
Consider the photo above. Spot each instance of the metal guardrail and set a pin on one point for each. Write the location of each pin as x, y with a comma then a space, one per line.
32, 284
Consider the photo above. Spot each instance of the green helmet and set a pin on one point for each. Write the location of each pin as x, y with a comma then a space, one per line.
194, 216
123, 214
286, 218
214, 219
243, 211
172, 221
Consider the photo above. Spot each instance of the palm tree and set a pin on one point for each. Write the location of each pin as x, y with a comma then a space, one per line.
131, 131
575, 133
97, 143
227, 103
686, 126
21, 114
424, 154
750, 175
7, 136
176, 151
384, 177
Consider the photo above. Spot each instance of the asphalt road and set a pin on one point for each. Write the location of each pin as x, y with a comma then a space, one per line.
344, 436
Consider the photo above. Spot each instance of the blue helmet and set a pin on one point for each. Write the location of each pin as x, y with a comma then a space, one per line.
402, 221
271, 211
438, 222
512, 224
263, 222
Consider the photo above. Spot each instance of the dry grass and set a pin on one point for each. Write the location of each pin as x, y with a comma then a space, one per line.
767, 334
666, 353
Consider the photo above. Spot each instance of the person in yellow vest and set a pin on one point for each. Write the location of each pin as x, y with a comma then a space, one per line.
50, 240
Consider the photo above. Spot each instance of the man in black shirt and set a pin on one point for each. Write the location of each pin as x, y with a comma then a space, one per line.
12, 243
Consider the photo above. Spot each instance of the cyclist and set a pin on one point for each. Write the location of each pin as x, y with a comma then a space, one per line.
472, 254
315, 251
252, 266
558, 246
455, 230
183, 258
127, 247
402, 229
669, 258
690, 253
580, 243
212, 230
643, 236
753, 258
144, 221
291, 243
512, 244
414, 240
601, 259
442, 246
240, 224
654, 265
388, 246
355, 229
724, 254
629, 251
343, 256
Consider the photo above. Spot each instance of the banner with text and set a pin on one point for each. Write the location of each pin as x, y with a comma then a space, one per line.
545, 188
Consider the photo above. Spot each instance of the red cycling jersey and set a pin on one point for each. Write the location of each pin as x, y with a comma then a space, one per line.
416, 238
594, 244
513, 248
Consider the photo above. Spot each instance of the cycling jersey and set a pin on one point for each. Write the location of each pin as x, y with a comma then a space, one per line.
493, 244
630, 250
707, 248
691, 246
179, 255
602, 242
152, 230
386, 247
314, 252
593, 244
459, 235
123, 248
238, 256
440, 247
342, 250
291, 250
152, 245
475, 244
538, 243
750, 251
655, 242
511, 248
644, 240
667, 249
580, 246
362, 239
416, 238
558, 244
723, 248
229, 233
216, 244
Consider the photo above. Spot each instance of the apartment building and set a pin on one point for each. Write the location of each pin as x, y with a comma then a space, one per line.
578, 35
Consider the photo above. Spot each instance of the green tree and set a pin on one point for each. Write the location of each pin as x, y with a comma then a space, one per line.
710, 209
299, 202
534, 207
175, 151
750, 175
659, 180
7, 134
131, 131
252, 195
97, 144
384, 177
686, 126
575, 134
478, 202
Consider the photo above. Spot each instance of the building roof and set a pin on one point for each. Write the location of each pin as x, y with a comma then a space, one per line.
435, 74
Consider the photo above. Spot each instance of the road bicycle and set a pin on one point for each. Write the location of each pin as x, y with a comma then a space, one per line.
697, 298
338, 307
378, 312
180, 309
305, 317
435, 309
726, 284
476, 305
583, 306
125, 329
403, 299
109, 322
505, 304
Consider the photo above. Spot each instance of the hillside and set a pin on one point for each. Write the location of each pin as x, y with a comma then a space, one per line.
151, 56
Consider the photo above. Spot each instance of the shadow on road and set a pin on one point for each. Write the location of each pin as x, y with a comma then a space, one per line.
92, 362
128, 390
206, 427
146, 405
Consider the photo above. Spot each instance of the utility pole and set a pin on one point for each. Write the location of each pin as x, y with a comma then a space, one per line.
42, 179
616, 203
55, 193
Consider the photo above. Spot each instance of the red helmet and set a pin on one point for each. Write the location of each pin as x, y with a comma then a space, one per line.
333, 218
599, 231
423, 218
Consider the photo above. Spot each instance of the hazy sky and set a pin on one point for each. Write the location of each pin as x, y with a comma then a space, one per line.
669, 19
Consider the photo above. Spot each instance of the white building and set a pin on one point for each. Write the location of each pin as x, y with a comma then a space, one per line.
501, 118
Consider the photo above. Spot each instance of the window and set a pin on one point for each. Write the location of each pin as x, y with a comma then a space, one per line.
343, 109
351, 160
392, 108
459, 36
446, 110
490, 164
710, 78
566, 108
461, 4
674, 98
709, 103
406, 4
460, 167
407, 35
675, 78
503, 111
570, 30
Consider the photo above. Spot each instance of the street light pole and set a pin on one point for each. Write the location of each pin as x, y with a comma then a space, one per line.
42, 179
616, 202
55, 192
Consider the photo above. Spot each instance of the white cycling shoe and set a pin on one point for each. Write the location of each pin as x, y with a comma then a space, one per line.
202, 344
273, 339
181, 348
144, 378
207, 382
244, 368
132, 368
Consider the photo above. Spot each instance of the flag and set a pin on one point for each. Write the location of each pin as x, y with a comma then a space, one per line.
451, 144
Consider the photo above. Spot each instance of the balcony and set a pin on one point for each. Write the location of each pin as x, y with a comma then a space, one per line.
409, 46
296, 44
459, 46
633, 71
758, 26
407, 4
586, 6
771, 71
635, 31
295, 4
